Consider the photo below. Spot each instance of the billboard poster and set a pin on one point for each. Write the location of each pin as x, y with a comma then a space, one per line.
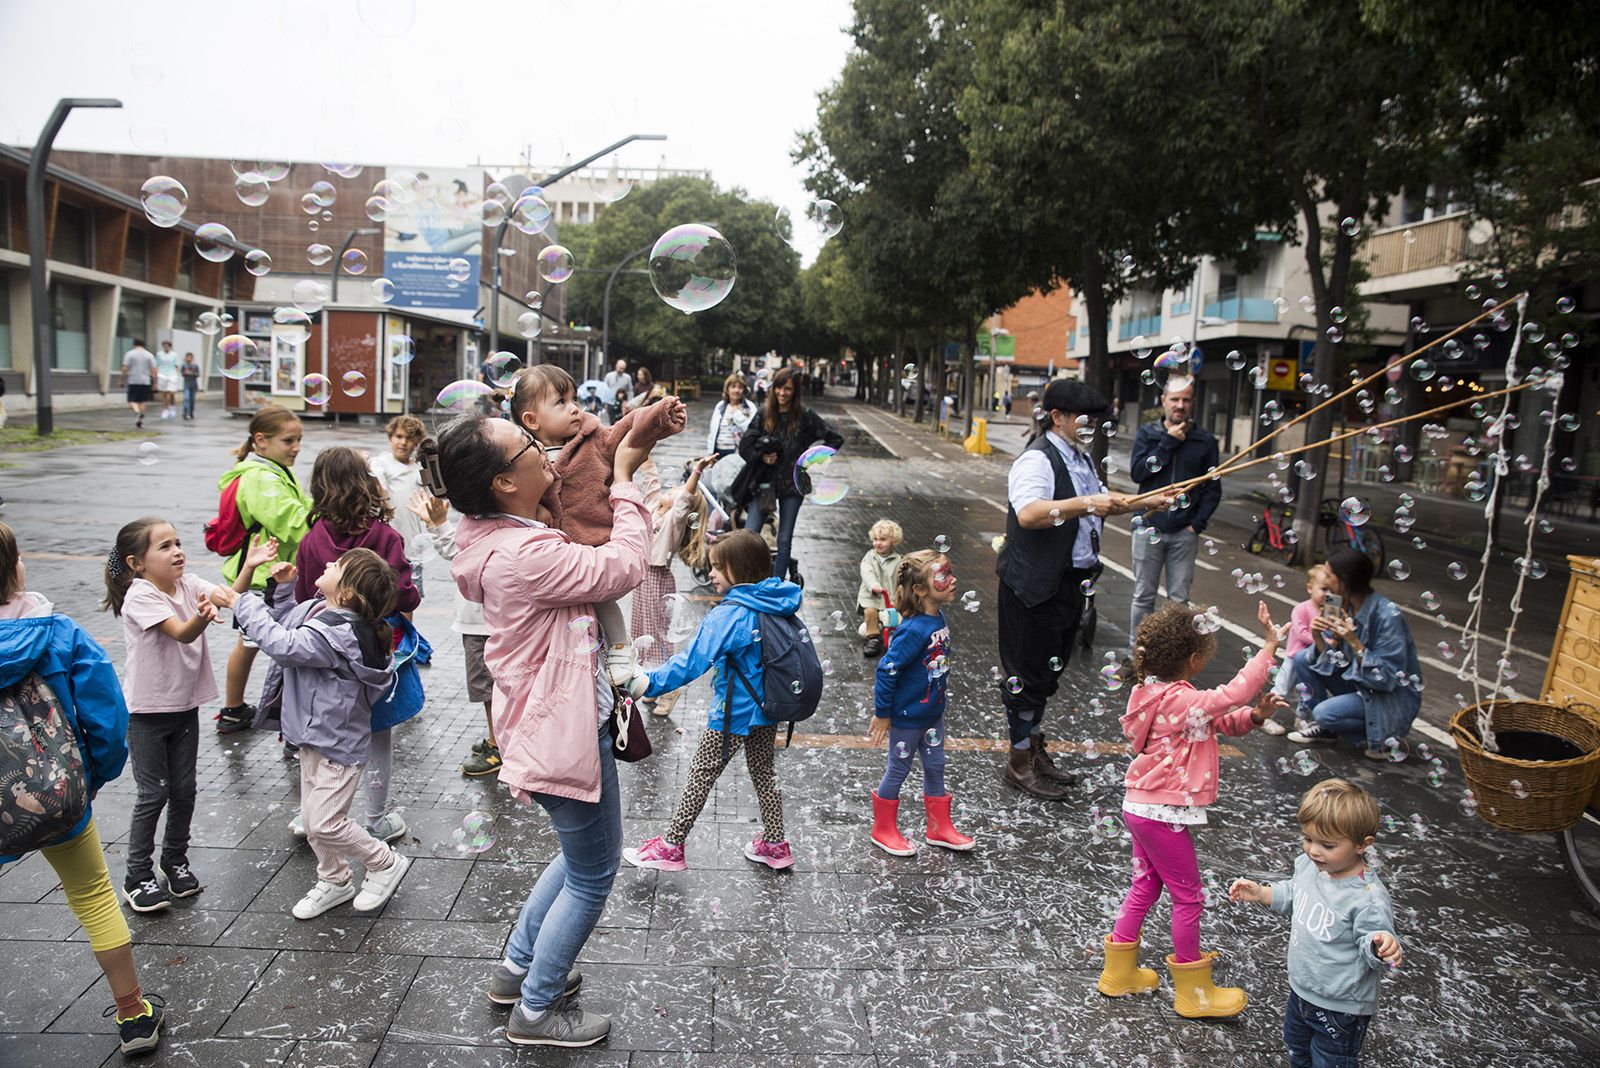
433, 240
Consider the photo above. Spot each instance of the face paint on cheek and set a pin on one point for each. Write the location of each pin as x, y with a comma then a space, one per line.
943, 579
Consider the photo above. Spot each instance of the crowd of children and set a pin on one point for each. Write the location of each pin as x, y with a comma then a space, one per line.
325, 581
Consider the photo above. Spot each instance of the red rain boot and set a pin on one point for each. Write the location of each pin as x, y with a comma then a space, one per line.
941, 832
886, 828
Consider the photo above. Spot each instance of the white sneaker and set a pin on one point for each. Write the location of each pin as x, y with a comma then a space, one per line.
379, 886
321, 898
390, 825
1272, 726
622, 663
297, 826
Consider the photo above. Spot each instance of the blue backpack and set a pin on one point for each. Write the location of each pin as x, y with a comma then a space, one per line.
791, 674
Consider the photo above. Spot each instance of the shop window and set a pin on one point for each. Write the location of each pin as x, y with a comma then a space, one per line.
70, 308
5, 316
132, 322
136, 257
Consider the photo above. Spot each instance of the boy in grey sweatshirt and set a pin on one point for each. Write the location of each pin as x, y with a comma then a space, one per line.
1342, 936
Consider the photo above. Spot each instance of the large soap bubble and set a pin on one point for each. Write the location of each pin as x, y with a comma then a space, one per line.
164, 199
693, 267
239, 354
826, 472
214, 242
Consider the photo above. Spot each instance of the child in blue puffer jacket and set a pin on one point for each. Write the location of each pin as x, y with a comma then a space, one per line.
908, 703
729, 635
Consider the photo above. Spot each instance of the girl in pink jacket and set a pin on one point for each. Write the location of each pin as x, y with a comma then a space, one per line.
1172, 728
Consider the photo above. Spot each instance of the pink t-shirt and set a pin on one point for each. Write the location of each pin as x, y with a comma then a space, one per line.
162, 673
1300, 627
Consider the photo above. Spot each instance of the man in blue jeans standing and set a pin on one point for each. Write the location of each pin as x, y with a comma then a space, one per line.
1172, 449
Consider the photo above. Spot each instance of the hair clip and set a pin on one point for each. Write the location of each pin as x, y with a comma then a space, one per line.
432, 474
113, 564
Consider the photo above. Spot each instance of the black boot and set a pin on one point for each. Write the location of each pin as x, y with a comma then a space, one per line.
1045, 765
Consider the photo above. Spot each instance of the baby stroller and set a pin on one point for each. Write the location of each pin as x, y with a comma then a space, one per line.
717, 485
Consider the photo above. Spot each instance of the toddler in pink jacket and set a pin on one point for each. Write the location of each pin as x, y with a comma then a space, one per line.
1172, 728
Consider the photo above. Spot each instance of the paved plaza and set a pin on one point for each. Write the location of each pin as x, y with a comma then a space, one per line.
852, 958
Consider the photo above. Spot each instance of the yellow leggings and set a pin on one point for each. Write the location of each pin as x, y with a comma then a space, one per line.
80, 864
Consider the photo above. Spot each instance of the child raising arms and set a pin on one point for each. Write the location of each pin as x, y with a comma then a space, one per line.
334, 651
1342, 938
1172, 729
167, 676
581, 449
679, 518
909, 701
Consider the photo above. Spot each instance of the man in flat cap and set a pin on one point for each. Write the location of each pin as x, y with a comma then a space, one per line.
1051, 553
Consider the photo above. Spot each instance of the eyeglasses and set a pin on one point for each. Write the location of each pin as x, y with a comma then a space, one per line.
532, 441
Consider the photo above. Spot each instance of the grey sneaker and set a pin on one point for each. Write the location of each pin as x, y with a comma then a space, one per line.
558, 1025
505, 985
392, 825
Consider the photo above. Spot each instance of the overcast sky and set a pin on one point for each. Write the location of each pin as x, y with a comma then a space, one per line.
442, 82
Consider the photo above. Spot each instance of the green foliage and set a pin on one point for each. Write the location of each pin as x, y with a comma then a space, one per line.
756, 316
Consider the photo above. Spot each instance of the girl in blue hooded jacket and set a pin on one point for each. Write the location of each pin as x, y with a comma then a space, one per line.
729, 636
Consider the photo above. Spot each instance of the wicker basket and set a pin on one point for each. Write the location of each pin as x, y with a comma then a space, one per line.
1552, 793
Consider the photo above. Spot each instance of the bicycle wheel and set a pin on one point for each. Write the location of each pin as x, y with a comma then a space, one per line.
1257, 540
1580, 852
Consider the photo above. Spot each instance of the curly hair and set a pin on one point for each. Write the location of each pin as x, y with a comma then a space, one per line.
889, 529
407, 425
1166, 639
345, 494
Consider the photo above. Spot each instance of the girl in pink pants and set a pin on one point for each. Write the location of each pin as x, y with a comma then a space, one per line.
1172, 728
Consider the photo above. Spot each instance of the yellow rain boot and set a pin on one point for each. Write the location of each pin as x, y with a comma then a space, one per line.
1194, 997
1122, 974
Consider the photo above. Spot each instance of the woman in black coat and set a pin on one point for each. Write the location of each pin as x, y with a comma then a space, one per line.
771, 444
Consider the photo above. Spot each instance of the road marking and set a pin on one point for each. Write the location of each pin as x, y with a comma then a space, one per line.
1203, 564
869, 432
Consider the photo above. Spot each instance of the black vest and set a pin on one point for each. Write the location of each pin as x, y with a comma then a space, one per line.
1033, 563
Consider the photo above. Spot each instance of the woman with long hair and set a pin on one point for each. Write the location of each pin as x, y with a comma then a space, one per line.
770, 447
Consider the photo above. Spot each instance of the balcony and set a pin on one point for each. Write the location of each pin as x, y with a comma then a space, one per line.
1253, 304
1131, 326
1418, 246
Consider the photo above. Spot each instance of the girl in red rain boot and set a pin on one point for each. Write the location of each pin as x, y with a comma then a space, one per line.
908, 704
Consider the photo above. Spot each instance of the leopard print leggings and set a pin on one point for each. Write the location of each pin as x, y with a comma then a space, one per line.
707, 765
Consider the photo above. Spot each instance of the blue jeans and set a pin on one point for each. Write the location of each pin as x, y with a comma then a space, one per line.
910, 743
1321, 1038
1174, 553
569, 897
788, 512
1335, 701
189, 389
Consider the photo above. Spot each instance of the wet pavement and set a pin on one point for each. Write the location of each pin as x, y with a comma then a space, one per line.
850, 959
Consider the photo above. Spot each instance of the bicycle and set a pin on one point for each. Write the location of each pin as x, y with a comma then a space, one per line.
1580, 852
1338, 532
1275, 522
1272, 533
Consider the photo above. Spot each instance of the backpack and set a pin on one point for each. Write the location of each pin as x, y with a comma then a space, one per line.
791, 673
44, 786
226, 533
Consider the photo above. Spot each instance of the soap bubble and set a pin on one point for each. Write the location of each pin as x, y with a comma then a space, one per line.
530, 214
354, 261
382, 290
214, 242
941, 543
476, 833
353, 383
208, 323
1111, 677
554, 264
1447, 651
402, 350
933, 738
1421, 369
692, 267
458, 270
1305, 762
1456, 570
465, 395
318, 254
827, 473
1355, 511
149, 453
502, 368
257, 262
1086, 587
1518, 790
530, 324
583, 631
164, 200
1468, 805
1013, 684
239, 354
1399, 570
309, 295
251, 189
1235, 360
378, 208
316, 389
1533, 332
1350, 226
1396, 749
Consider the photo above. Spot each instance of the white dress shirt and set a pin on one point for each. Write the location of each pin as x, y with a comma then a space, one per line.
1032, 478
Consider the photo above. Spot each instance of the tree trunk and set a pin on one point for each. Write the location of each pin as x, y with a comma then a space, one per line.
936, 394
1097, 370
918, 381
1328, 285
968, 371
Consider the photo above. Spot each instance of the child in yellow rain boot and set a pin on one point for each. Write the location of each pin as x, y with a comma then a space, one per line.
1173, 729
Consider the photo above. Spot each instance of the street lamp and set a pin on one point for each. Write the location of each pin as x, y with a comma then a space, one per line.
605, 308
44, 337
500, 231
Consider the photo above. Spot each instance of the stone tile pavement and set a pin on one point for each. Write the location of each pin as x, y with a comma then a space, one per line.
849, 960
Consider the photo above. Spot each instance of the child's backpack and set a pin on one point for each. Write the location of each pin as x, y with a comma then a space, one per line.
44, 786
225, 533
791, 672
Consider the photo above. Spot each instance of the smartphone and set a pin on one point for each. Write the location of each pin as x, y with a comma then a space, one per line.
1332, 603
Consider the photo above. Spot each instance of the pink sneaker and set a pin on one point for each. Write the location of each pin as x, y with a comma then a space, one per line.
774, 855
658, 853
